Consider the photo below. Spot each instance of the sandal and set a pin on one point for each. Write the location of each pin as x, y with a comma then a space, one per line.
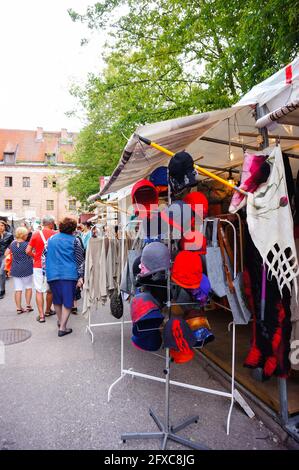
40, 319
50, 313
74, 311
64, 332
21, 310
29, 308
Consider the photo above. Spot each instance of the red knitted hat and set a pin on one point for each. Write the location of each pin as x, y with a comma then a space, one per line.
180, 357
198, 203
187, 269
194, 241
145, 197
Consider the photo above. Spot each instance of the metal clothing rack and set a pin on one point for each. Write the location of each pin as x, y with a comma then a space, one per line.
166, 431
95, 325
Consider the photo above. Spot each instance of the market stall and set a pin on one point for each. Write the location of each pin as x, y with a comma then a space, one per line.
263, 127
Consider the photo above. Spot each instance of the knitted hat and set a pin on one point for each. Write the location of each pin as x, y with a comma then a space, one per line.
198, 322
187, 269
181, 172
144, 197
155, 257
194, 241
159, 176
201, 293
180, 357
198, 203
178, 335
150, 340
203, 336
142, 305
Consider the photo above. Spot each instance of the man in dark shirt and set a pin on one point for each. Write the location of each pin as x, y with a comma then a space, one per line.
5, 240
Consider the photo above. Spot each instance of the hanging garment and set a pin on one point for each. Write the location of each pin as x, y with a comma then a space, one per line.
270, 224
294, 320
254, 172
95, 277
270, 343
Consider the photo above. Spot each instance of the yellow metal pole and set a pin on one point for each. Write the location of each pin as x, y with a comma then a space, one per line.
201, 170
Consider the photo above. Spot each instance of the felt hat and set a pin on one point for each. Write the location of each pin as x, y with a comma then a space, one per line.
203, 336
150, 340
181, 172
193, 240
159, 178
144, 197
198, 202
198, 322
178, 335
201, 293
187, 269
155, 257
180, 357
179, 216
143, 305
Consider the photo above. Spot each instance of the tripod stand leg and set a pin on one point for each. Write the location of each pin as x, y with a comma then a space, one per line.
187, 443
156, 419
142, 435
184, 424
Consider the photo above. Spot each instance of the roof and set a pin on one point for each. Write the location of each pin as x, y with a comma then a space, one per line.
31, 146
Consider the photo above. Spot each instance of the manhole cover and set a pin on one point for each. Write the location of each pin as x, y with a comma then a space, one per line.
14, 336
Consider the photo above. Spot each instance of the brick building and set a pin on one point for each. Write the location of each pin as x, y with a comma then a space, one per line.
34, 168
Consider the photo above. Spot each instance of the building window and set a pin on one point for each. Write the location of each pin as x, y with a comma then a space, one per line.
8, 181
45, 182
8, 204
26, 202
50, 205
9, 158
26, 182
50, 158
72, 204
54, 184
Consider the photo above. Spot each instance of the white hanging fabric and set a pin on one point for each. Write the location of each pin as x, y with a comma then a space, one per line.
270, 224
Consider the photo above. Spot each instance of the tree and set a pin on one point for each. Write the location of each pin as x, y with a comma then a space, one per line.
172, 58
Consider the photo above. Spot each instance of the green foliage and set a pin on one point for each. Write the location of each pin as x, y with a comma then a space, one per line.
172, 58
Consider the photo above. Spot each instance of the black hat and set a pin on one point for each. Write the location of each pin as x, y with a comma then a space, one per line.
181, 172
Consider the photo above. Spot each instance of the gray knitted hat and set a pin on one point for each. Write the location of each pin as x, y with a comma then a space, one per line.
155, 257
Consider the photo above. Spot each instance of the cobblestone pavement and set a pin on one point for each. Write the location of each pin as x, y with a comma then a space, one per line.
53, 392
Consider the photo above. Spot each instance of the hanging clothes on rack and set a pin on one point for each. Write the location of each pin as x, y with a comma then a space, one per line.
295, 317
270, 345
102, 270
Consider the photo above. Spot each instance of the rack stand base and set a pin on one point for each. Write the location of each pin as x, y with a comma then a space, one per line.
164, 434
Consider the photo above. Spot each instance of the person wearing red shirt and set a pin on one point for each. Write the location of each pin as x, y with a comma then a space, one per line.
35, 249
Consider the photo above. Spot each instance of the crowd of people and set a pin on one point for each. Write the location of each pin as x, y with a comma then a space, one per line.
50, 260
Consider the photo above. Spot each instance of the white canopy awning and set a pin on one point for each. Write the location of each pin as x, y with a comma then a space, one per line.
214, 139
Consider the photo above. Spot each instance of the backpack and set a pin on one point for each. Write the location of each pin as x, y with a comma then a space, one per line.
44, 253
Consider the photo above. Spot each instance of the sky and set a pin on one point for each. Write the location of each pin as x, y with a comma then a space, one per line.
41, 57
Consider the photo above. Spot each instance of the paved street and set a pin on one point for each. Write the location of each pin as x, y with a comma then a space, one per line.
54, 392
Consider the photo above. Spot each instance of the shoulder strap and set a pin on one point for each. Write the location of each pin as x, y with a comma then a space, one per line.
43, 237
228, 275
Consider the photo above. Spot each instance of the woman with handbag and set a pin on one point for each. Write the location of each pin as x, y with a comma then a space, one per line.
21, 270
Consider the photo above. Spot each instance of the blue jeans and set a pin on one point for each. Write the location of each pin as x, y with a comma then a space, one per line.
2, 274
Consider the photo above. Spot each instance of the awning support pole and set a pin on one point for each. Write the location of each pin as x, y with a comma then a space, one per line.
201, 170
